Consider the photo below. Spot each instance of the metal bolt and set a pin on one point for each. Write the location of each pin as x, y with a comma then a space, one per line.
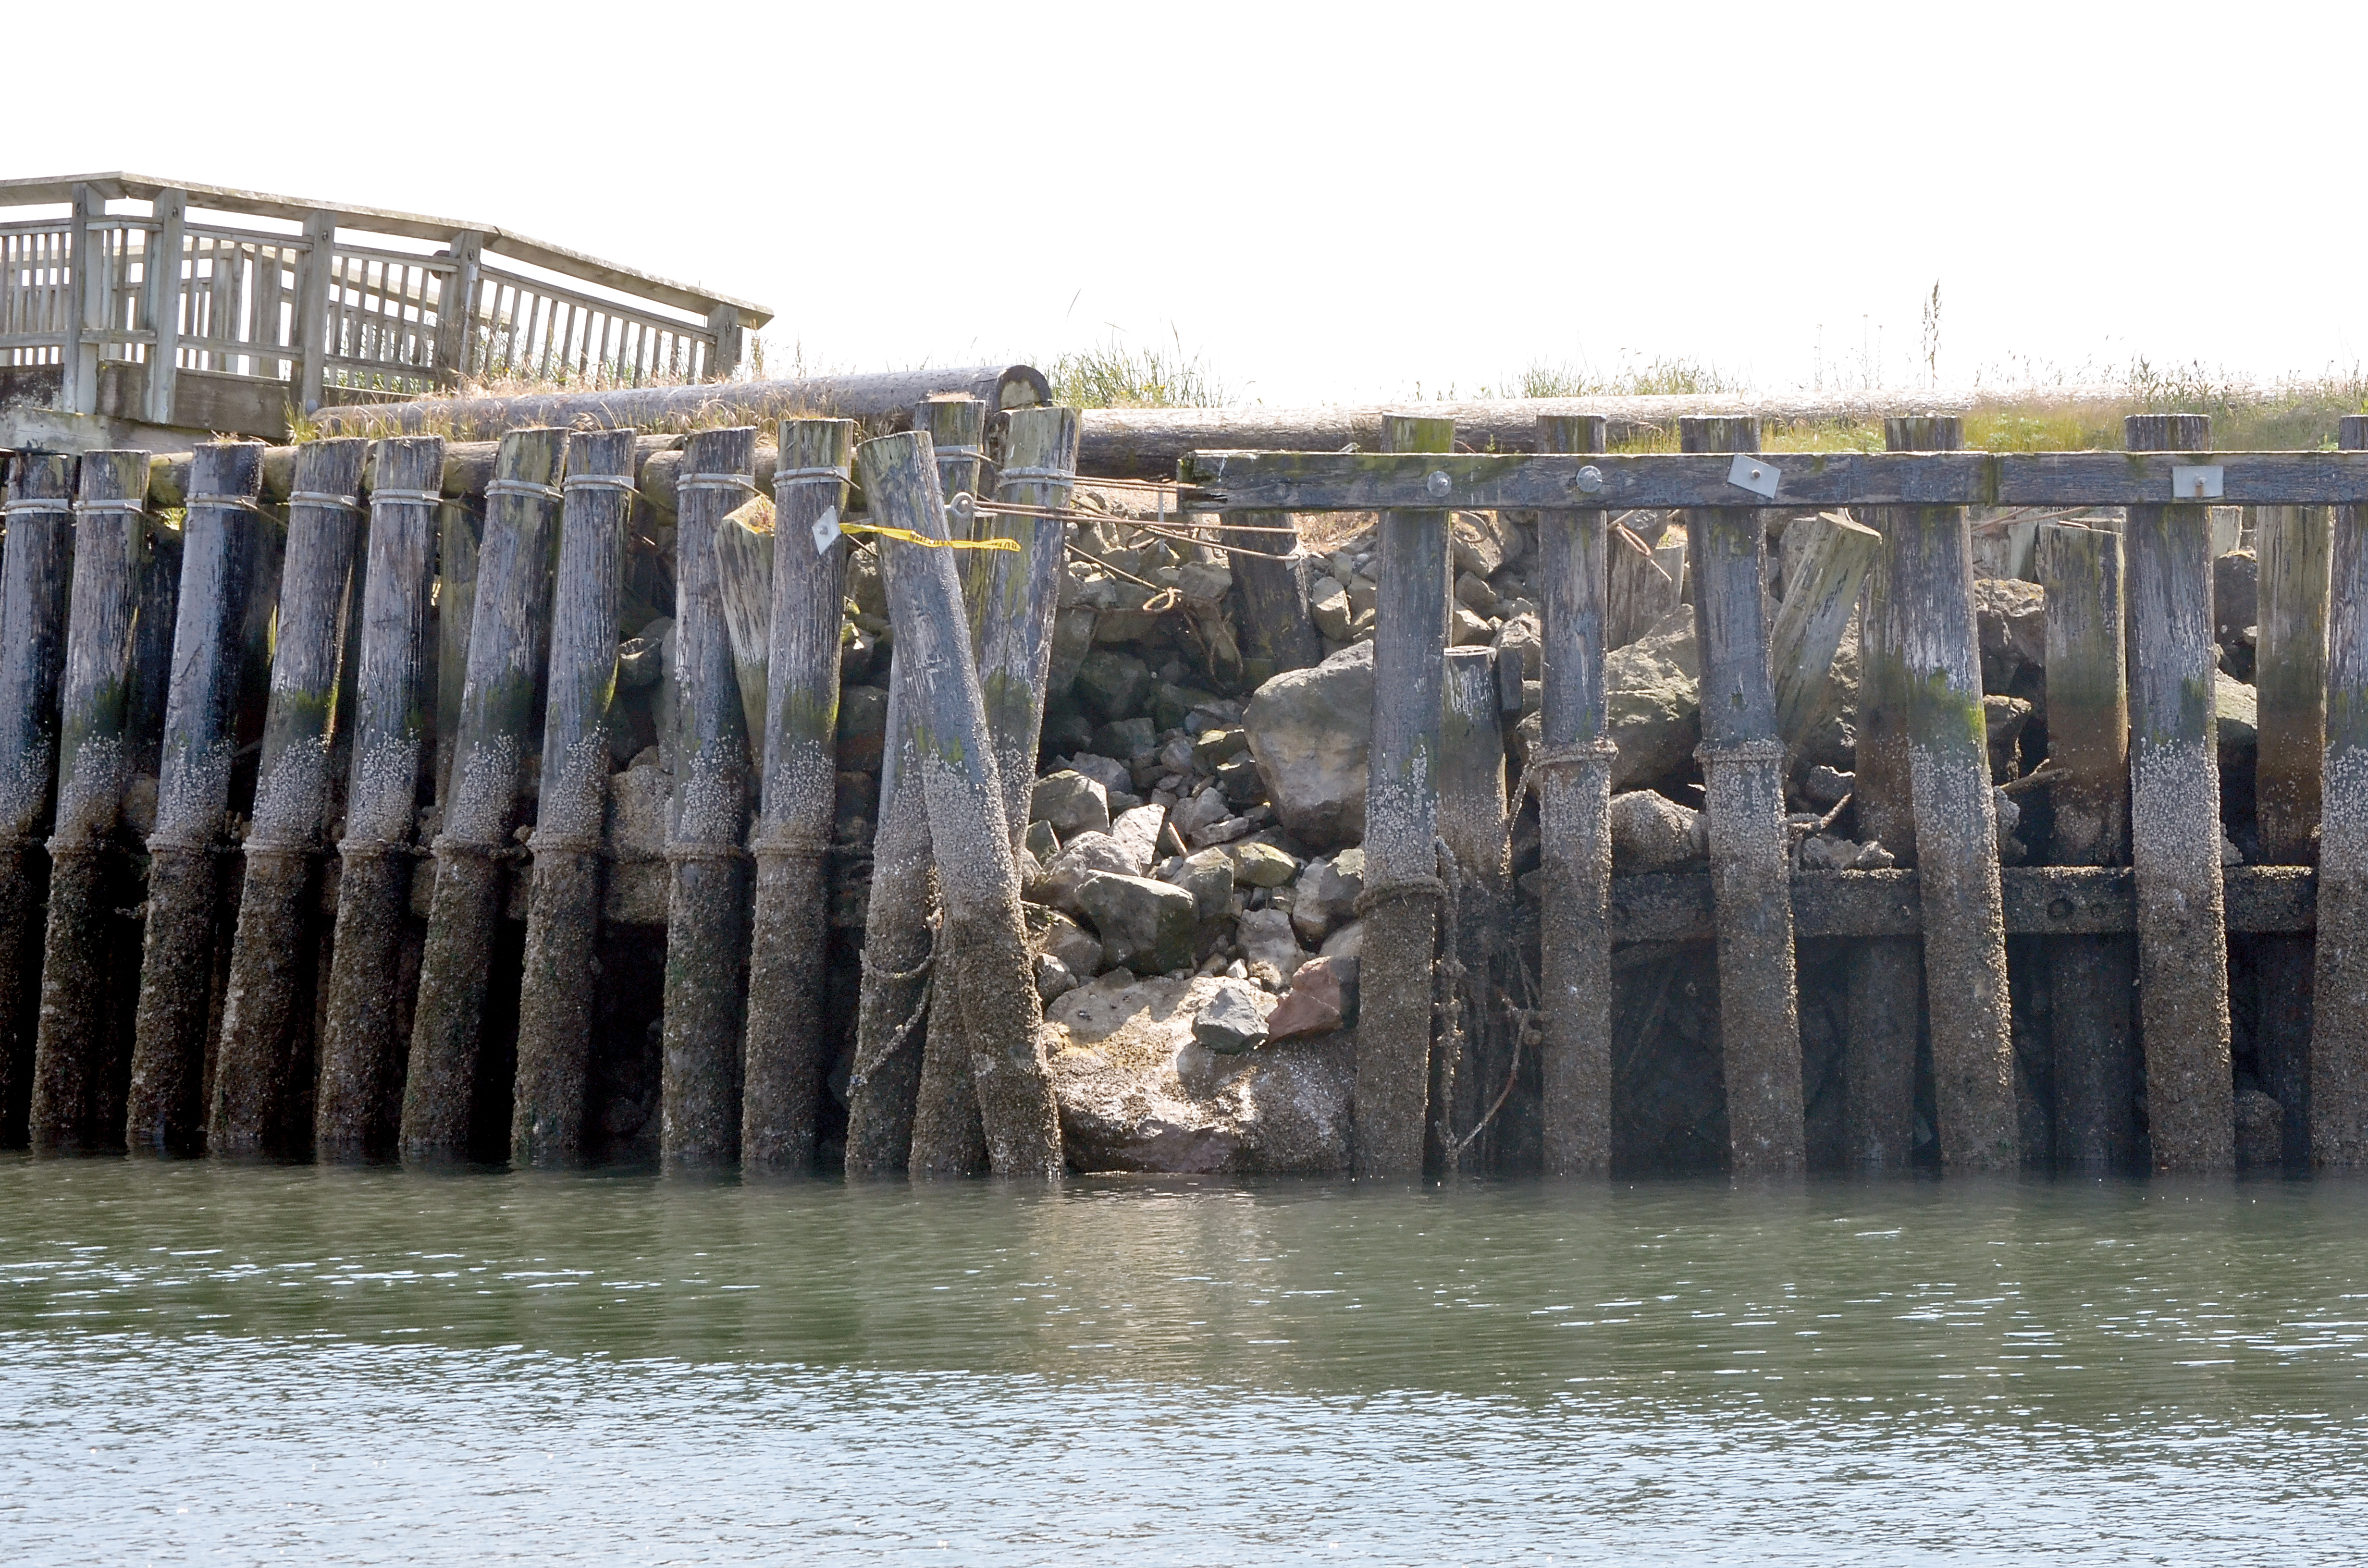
1439, 484
960, 505
1588, 480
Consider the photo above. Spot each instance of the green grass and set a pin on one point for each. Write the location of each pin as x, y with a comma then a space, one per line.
1116, 375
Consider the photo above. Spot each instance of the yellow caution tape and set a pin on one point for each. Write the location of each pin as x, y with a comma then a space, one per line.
909, 536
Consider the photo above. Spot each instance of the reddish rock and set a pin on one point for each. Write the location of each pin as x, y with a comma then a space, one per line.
1315, 1004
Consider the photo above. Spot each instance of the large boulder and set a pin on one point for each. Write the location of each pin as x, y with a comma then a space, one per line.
1234, 1019
1085, 855
1137, 833
1653, 700
1138, 1093
1071, 803
2237, 718
2011, 618
1145, 925
1309, 731
1652, 832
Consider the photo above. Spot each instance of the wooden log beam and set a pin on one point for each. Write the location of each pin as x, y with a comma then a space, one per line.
70, 1069
272, 951
707, 899
1354, 482
223, 550
787, 1052
1402, 897
1573, 767
1932, 582
2339, 1040
358, 1109
557, 991
978, 880
2290, 674
507, 636
1742, 761
2175, 820
36, 573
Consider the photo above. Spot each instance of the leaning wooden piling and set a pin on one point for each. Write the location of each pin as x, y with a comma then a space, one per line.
1279, 631
1573, 768
2091, 978
1742, 761
1819, 596
707, 910
949, 1137
786, 1056
984, 936
36, 571
71, 1075
2175, 818
357, 1110
220, 553
270, 953
2290, 677
561, 974
1013, 627
1931, 588
1403, 894
2339, 1040
509, 628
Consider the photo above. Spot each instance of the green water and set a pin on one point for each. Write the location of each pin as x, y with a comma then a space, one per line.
241, 1365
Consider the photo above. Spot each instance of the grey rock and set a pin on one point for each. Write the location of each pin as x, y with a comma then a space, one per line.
1262, 866
1653, 700
2260, 1130
1224, 831
1137, 832
1053, 978
1111, 685
2238, 710
1347, 942
1826, 786
2003, 719
1040, 841
1071, 803
1087, 855
1054, 935
1115, 776
1129, 738
1073, 639
1208, 806
862, 727
1266, 937
2235, 595
1475, 594
1208, 875
1325, 894
1652, 832
1309, 731
1465, 630
1327, 603
1145, 925
1521, 634
2011, 617
1234, 1020
1206, 581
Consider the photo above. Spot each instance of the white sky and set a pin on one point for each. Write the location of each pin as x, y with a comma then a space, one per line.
1326, 202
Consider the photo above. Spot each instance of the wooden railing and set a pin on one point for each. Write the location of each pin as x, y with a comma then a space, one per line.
339, 304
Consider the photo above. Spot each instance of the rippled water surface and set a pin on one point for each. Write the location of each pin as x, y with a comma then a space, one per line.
238, 1365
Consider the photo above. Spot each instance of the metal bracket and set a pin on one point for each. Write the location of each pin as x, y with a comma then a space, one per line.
2195, 481
826, 530
1756, 474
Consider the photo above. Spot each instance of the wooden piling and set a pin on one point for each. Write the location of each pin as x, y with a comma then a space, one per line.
1013, 631
883, 1085
984, 936
1742, 761
949, 1138
787, 1051
1573, 767
2338, 1039
707, 901
1278, 632
2290, 677
509, 628
271, 952
1401, 902
561, 974
460, 535
1819, 595
36, 571
73, 1077
1931, 588
2175, 818
2092, 979
223, 548
358, 1109
1473, 1059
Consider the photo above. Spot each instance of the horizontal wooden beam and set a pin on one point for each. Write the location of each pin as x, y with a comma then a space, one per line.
1362, 482
2041, 900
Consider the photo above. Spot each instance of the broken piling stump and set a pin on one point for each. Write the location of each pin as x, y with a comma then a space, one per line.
2290, 677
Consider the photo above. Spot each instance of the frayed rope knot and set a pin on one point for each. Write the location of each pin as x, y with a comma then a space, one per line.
787, 843
1377, 894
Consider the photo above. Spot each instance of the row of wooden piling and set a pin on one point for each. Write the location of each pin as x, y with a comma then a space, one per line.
345, 589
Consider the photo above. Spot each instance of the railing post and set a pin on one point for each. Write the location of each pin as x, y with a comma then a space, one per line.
160, 304
86, 276
2339, 1040
313, 310
1742, 761
724, 321
1573, 767
2175, 818
456, 310
1403, 892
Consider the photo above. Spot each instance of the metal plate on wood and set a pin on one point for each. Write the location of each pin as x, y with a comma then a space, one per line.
826, 530
2195, 481
1754, 474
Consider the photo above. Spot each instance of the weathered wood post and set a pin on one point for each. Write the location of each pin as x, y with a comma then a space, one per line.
1573, 767
706, 900
459, 534
1013, 631
270, 954
1471, 1063
72, 1075
1819, 595
1278, 631
984, 936
360, 1105
556, 991
220, 553
1403, 890
790, 939
2175, 818
1742, 761
885, 1083
1931, 589
2338, 1037
508, 629
2092, 979
2290, 675
36, 571
949, 1138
